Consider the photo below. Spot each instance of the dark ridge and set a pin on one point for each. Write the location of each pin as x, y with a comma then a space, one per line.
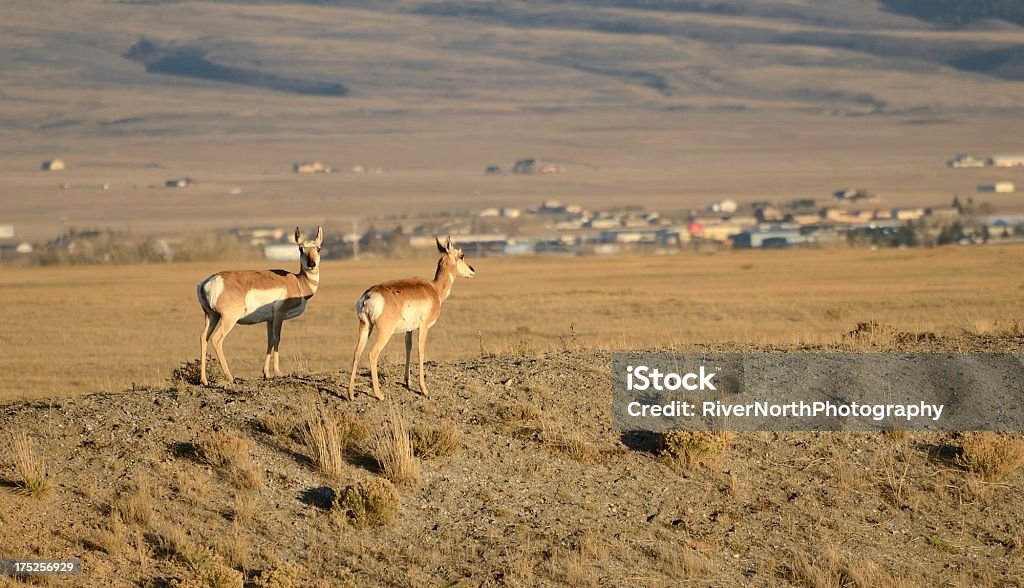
958, 12
1006, 62
191, 62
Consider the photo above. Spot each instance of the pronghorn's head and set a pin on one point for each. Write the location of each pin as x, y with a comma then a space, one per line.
309, 251
454, 256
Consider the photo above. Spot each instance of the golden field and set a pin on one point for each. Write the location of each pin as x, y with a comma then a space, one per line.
84, 329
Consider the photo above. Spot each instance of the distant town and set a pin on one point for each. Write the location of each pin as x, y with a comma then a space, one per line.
849, 217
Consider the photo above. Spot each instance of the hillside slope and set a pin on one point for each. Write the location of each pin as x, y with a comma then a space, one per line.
542, 491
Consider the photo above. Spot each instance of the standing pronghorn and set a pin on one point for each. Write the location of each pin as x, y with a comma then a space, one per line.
408, 305
253, 296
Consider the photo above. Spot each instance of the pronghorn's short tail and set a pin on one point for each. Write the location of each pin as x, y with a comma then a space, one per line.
369, 307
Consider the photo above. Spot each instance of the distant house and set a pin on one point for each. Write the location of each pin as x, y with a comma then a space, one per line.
310, 167
281, 252
179, 183
535, 166
770, 238
907, 213
1006, 161
853, 194
965, 160
998, 187
52, 165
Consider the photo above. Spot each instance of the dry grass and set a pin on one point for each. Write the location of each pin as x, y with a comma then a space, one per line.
234, 547
441, 441
991, 456
111, 537
567, 440
29, 468
834, 571
327, 437
218, 575
223, 449
370, 503
913, 290
136, 505
689, 449
392, 448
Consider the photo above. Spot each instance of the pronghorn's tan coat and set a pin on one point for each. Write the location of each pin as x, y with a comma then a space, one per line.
250, 297
411, 304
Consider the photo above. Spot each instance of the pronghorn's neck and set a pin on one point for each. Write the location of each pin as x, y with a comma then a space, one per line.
309, 280
444, 277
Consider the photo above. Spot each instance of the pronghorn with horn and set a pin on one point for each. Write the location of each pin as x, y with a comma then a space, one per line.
250, 297
408, 305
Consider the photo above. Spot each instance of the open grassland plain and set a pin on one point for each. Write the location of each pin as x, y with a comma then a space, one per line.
508, 475
73, 330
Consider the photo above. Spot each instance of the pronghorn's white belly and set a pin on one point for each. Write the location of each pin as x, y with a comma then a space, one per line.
414, 314
259, 305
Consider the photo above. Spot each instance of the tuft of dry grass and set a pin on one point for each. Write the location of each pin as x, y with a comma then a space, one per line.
29, 467
833, 571
392, 448
136, 506
279, 424
246, 506
231, 454
991, 456
218, 575
222, 449
234, 547
441, 441
327, 437
688, 449
111, 538
569, 441
370, 503
189, 372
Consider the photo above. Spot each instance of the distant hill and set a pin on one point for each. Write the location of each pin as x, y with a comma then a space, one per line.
959, 12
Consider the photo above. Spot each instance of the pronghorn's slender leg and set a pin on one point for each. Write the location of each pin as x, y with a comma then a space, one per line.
207, 331
224, 327
384, 333
408, 355
270, 349
422, 351
364, 334
278, 323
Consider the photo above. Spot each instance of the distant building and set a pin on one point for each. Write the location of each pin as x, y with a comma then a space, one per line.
310, 167
1006, 161
965, 160
536, 166
509, 212
907, 213
281, 252
853, 194
53, 165
728, 206
179, 183
998, 187
770, 238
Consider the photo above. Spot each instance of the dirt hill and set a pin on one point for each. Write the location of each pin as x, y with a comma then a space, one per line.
521, 482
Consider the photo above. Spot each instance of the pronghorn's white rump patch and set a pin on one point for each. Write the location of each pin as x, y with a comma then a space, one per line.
369, 307
210, 290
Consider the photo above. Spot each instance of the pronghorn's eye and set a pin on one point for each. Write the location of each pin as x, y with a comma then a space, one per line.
318, 250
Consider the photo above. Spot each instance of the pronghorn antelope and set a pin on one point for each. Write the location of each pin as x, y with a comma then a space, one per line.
250, 297
408, 305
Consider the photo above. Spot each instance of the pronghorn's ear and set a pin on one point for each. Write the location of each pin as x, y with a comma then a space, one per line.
298, 236
319, 236
448, 244
440, 247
